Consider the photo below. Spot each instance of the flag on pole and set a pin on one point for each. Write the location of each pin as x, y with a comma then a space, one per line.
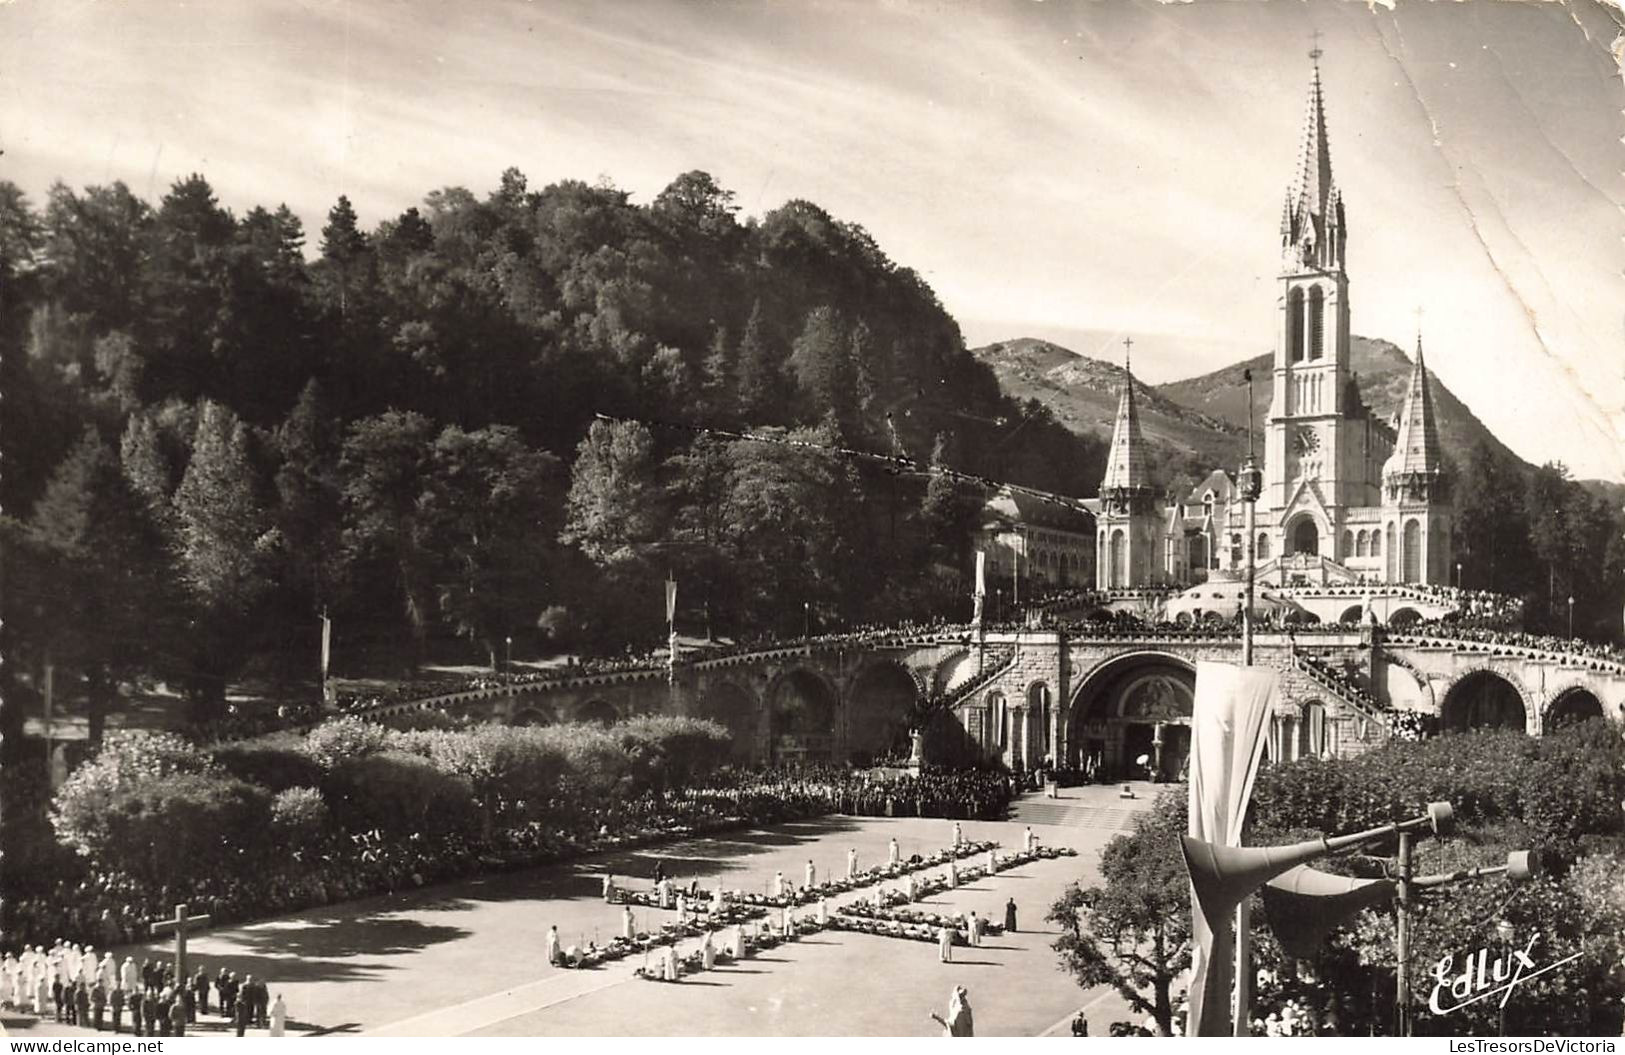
981, 573
671, 599
1232, 705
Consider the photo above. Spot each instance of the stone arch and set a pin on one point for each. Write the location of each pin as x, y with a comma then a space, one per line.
1404, 617
1362, 543
736, 710
1262, 548
1484, 699
1352, 614
880, 703
1570, 705
534, 714
1119, 559
1122, 703
595, 712
802, 710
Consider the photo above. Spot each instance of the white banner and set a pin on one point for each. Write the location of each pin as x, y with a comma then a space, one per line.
981, 574
671, 600
1228, 716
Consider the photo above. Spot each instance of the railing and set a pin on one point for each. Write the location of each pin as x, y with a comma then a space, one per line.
1001, 661
1351, 694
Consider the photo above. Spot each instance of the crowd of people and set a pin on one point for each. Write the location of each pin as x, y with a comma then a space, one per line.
770, 795
70, 983
1510, 642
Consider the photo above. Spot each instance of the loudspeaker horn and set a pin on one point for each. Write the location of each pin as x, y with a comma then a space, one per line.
1222, 875
1304, 905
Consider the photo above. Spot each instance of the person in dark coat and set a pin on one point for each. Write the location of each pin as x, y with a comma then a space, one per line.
56, 998
98, 1004
117, 1002
138, 1001
188, 1002
81, 1004
200, 983
1010, 916
177, 1015
150, 1011
149, 975
222, 985
160, 1012
242, 1011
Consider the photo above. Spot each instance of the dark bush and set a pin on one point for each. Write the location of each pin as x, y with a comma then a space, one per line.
276, 764
398, 794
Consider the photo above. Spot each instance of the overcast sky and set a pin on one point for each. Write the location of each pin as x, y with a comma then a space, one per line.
1075, 171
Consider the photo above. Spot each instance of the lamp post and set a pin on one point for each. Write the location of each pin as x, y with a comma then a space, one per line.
1458, 575
806, 619
507, 664
1571, 616
1250, 482
1504, 931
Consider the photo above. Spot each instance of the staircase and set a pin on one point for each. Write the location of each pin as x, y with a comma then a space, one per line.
995, 661
1357, 699
1096, 806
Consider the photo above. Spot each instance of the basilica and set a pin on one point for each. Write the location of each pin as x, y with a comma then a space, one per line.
1347, 496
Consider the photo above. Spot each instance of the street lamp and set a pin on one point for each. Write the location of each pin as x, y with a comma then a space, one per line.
1458, 575
806, 619
1504, 931
508, 665
1571, 616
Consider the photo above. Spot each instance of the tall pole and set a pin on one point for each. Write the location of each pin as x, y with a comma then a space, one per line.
1241, 1020
50, 678
1402, 941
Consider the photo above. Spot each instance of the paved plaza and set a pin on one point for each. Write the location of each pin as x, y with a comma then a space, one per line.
466, 958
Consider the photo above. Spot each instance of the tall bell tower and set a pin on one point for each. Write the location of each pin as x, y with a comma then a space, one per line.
1305, 438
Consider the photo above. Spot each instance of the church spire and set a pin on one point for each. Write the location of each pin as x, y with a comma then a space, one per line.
1312, 230
1416, 447
1126, 466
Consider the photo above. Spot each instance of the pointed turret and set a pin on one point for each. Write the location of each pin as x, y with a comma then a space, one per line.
1126, 466
1416, 448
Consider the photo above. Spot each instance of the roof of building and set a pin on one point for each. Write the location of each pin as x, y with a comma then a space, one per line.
1128, 466
1221, 483
1416, 444
1057, 512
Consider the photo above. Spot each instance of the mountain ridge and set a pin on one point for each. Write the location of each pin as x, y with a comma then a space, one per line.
1200, 423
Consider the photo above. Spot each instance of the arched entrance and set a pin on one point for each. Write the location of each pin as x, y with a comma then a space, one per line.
1352, 614
1482, 700
733, 708
878, 709
1305, 536
1133, 706
1404, 617
596, 712
802, 711
1572, 707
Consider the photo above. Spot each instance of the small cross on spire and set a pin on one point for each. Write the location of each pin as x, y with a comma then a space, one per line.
1128, 351
1314, 50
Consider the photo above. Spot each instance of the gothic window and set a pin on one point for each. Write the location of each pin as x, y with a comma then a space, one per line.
1413, 551
1294, 325
1317, 304
1362, 544
1376, 543
1348, 545
1119, 560
1263, 547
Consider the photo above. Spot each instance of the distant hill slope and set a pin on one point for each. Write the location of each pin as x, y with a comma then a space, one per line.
1201, 423
1083, 394
1384, 374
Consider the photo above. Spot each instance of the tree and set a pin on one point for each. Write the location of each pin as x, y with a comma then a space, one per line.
487, 505
821, 358
382, 468
614, 506
104, 575
760, 378
220, 525
1133, 931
